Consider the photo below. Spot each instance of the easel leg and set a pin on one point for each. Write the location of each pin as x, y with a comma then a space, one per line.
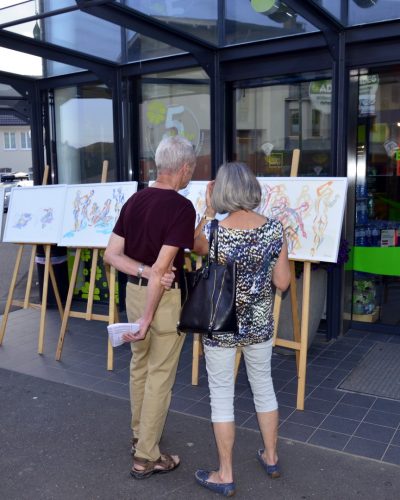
301, 388
11, 293
295, 312
56, 292
44, 299
68, 303
92, 283
111, 316
30, 276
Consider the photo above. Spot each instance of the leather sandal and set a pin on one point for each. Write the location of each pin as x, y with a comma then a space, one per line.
164, 464
273, 471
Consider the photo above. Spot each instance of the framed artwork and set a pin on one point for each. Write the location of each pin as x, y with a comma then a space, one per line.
35, 214
311, 210
91, 211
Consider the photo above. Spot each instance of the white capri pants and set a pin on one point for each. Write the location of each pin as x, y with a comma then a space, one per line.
220, 362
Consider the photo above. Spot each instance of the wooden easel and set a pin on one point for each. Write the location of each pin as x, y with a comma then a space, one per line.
88, 315
25, 304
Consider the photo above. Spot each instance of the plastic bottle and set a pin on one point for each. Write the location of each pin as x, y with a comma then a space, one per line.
362, 237
375, 233
368, 236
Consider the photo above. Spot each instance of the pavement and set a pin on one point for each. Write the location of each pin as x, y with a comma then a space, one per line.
61, 442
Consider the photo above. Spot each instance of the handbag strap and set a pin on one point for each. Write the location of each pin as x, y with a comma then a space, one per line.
213, 237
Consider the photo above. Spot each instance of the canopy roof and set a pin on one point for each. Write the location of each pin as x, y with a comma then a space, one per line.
47, 38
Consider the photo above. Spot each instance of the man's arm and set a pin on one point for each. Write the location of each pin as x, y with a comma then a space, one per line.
114, 256
155, 291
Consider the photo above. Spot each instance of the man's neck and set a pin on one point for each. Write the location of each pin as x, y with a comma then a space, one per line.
164, 181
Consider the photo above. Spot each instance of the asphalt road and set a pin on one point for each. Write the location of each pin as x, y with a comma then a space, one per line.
8, 254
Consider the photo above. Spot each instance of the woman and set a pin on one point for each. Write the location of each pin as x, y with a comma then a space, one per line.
258, 246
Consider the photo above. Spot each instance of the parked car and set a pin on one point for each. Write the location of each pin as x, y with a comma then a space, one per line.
10, 181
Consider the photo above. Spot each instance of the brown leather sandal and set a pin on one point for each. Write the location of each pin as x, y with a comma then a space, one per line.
164, 464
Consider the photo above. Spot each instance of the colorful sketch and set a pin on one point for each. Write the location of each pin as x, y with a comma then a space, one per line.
35, 214
91, 211
311, 211
196, 193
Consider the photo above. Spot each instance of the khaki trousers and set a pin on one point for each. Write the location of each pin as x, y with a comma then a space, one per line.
153, 367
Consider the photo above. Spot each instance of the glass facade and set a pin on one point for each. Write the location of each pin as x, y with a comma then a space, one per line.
271, 121
175, 103
356, 12
83, 135
376, 252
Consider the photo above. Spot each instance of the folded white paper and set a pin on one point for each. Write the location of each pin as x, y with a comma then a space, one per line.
116, 330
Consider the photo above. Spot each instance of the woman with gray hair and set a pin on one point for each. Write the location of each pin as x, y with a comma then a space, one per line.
259, 248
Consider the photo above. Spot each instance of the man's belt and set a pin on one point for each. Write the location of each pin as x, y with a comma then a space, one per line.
144, 281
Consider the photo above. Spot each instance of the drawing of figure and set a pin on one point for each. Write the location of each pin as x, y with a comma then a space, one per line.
103, 218
305, 197
76, 210
323, 202
292, 221
85, 202
271, 197
200, 206
23, 220
94, 213
47, 217
119, 197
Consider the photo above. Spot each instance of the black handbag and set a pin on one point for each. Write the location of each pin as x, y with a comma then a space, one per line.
210, 307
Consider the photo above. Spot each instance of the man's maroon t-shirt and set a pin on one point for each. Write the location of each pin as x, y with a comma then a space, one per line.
155, 217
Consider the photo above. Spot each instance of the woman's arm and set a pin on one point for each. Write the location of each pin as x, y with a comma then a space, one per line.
281, 271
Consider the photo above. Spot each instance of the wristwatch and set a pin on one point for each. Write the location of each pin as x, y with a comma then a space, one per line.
140, 270
207, 218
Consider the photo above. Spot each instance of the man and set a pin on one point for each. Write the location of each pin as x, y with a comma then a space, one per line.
149, 238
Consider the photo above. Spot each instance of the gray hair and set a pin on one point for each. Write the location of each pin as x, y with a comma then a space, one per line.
172, 153
236, 188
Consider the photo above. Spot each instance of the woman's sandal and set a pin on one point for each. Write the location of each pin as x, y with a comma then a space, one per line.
165, 463
273, 471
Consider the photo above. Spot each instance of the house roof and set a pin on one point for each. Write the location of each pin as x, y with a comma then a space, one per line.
10, 117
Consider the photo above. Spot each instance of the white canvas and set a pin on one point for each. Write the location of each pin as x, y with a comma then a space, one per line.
91, 211
311, 211
35, 214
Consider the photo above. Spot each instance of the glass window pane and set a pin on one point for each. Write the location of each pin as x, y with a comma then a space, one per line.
20, 63
171, 107
13, 10
140, 48
84, 133
273, 120
353, 12
191, 16
261, 19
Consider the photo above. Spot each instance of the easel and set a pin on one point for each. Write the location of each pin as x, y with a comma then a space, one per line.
300, 331
88, 315
48, 271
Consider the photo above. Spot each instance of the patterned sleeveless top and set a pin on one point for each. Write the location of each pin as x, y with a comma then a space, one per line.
255, 252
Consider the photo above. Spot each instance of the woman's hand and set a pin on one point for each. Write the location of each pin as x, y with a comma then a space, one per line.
168, 278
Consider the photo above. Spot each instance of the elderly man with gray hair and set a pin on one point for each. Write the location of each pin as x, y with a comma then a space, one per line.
155, 226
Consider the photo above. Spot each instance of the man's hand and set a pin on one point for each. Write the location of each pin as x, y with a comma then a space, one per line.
168, 279
140, 335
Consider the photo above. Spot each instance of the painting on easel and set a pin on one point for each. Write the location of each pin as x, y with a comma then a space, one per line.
35, 214
311, 211
91, 211
195, 191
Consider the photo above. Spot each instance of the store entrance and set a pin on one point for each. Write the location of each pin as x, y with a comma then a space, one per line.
376, 251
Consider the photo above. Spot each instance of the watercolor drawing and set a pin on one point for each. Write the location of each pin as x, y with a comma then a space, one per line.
91, 211
195, 191
35, 214
311, 211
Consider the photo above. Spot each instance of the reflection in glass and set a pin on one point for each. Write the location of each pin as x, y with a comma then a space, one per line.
171, 107
84, 133
376, 284
271, 121
259, 20
199, 19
